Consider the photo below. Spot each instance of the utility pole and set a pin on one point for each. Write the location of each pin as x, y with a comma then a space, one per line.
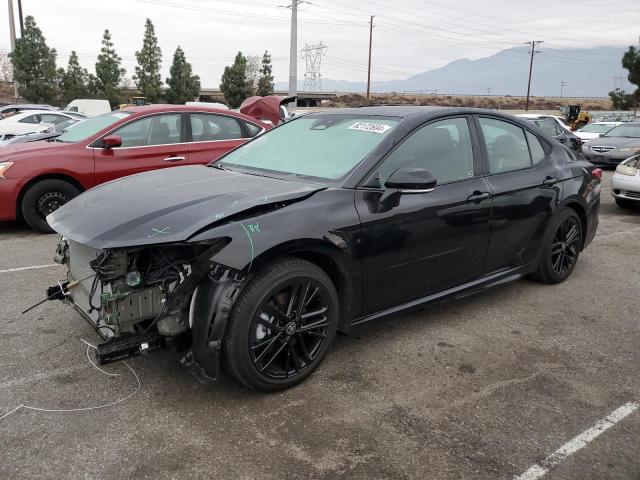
533, 44
20, 17
369, 68
12, 33
293, 53
562, 85
488, 91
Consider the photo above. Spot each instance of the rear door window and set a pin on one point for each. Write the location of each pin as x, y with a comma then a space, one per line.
507, 147
207, 128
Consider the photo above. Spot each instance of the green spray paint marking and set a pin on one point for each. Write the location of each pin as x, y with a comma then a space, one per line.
250, 244
156, 232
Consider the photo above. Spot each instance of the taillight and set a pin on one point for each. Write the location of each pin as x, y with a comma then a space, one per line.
597, 173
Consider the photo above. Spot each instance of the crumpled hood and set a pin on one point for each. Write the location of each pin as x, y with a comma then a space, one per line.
167, 205
617, 142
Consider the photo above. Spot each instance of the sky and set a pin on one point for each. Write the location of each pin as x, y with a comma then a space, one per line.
409, 36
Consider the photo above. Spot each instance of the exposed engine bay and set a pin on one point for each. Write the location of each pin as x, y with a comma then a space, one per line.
137, 298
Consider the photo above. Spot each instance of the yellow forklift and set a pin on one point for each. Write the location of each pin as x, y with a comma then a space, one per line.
134, 102
574, 117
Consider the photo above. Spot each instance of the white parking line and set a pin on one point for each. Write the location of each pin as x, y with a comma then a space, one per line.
578, 442
34, 267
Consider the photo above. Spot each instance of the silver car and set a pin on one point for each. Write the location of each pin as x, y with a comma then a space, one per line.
614, 146
625, 184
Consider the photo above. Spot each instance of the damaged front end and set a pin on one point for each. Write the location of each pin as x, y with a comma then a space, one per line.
138, 298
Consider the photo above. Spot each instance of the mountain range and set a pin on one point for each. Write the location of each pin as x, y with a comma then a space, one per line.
587, 72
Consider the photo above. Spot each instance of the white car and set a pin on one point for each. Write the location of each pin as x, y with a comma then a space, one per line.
557, 119
625, 183
595, 130
32, 121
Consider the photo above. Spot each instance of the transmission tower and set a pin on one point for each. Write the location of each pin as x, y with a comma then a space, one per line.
312, 55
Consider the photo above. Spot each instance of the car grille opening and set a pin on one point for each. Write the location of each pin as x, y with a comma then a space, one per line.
632, 194
601, 149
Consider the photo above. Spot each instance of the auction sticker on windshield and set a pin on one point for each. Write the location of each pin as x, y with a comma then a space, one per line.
370, 127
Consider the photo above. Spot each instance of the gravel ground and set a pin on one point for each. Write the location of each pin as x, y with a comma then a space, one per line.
481, 388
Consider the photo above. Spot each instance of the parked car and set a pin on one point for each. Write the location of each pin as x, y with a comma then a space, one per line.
550, 128
32, 121
12, 109
557, 119
625, 183
39, 177
595, 130
613, 147
89, 107
50, 134
328, 221
21, 124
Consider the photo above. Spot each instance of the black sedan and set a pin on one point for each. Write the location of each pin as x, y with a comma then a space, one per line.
326, 222
553, 130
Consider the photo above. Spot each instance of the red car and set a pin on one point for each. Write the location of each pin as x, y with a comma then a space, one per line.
37, 178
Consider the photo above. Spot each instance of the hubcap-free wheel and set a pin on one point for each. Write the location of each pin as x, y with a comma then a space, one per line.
566, 244
290, 328
50, 202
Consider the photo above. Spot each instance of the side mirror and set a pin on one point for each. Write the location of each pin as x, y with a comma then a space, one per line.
112, 141
412, 180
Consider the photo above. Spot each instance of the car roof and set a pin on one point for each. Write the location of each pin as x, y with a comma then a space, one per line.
160, 108
35, 112
405, 111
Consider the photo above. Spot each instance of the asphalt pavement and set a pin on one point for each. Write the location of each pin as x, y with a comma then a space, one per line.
482, 388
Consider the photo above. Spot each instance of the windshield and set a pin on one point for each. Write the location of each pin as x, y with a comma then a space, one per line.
91, 126
631, 131
593, 128
321, 146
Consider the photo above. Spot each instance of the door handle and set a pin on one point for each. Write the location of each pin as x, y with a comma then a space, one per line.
550, 180
174, 159
477, 196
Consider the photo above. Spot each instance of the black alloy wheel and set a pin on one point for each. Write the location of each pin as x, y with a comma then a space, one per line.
281, 325
566, 245
289, 328
561, 247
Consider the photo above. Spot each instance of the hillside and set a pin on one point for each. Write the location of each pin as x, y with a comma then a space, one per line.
588, 72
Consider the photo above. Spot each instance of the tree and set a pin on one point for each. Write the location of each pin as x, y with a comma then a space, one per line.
108, 71
6, 69
74, 83
147, 77
265, 82
183, 85
631, 61
621, 100
234, 82
34, 65
253, 73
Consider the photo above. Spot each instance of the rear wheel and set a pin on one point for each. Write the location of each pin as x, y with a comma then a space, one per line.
561, 248
281, 326
44, 198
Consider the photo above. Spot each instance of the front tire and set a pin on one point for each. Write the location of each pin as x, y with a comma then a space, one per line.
43, 198
281, 326
561, 248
